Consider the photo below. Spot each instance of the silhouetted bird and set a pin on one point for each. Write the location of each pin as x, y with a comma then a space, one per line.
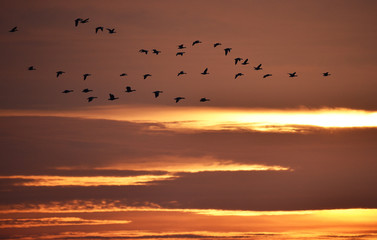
15, 29
91, 98
325, 74
259, 67
216, 44
204, 99
86, 90
77, 21
99, 28
84, 20
180, 53
111, 30
67, 91
245, 62
112, 98
236, 60
86, 75
181, 73
156, 51
58, 73
177, 99
196, 42
205, 71
31, 68
181, 46
227, 50
128, 89
238, 75
157, 93
292, 74
143, 51
123, 74
147, 75
267, 75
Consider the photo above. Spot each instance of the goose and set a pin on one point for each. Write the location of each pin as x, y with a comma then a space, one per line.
157, 93
111, 97
236, 60
58, 73
259, 67
147, 75
91, 98
177, 99
245, 62
238, 75
86, 75
205, 71
196, 42
181, 73
128, 89
227, 50
204, 100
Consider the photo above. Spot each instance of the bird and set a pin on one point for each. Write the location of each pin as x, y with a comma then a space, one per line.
292, 74
267, 75
77, 21
86, 75
99, 28
67, 91
177, 99
147, 75
180, 53
204, 100
236, 60
111, 97
227, 50
84, 20
238, 75
58, 73
259, 67
205, 71
15, 29
196, 42
143, 51
180, 46
157, 93
123, 74
156, 51
86, 90
181, 73
31, 68
326, 74
91, 98
111, 30
128, 89
216, 44
245, 62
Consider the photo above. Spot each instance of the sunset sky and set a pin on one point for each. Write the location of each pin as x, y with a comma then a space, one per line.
266, 158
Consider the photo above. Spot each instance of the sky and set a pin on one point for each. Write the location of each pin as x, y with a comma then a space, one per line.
265, 158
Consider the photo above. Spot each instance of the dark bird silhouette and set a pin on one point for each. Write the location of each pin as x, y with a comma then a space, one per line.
245, 62
156, 51
86, 75
181, 46
143, 51
123, 74
58, 73
147, 75
205, 71
259, 67
216, 44
84, 20
292, 74
15, 29
180, 53
128, 89
157, 93
204, 99
238, 75
99, 28
181, 73
91, 98
177, 99
236, 60
77, 21
111, 30
196, 42
325, 74
86, 90
31, 68
111, 97
67, 91
267, 75
227, 50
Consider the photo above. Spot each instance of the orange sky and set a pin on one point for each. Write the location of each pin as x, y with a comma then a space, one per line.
265, 158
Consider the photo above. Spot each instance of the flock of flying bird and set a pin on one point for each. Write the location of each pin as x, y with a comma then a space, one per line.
155, 51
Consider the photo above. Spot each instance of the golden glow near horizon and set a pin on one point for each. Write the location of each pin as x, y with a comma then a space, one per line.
221, 118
